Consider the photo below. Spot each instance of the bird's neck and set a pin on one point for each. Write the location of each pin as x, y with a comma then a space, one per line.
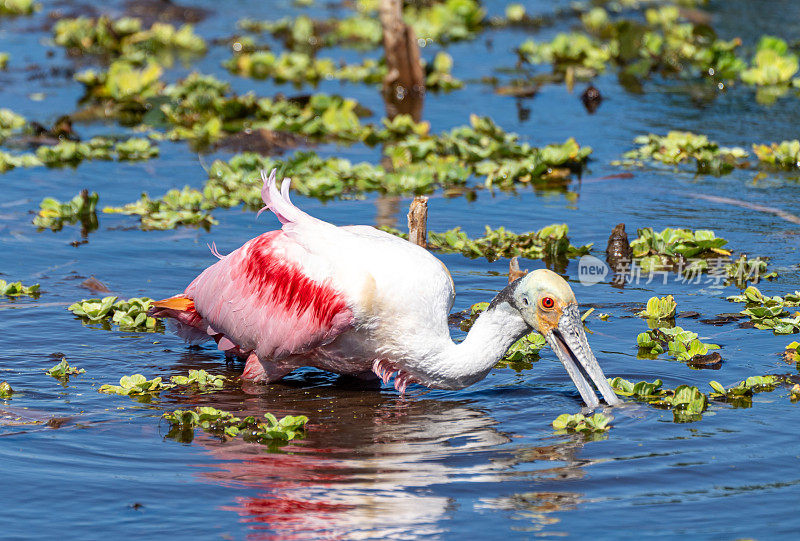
495, 330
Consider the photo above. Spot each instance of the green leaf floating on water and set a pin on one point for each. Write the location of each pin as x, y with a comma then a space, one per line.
753, 384
54, 214
135, 385
580, 423
16, 289
770, 312
686, 402
128, 315
679, 343
659, 308
5, 390
202, 380
19, 7
63, 370
228, 426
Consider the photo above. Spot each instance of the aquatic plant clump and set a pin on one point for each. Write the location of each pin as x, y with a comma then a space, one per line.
16, 289
63, 370
54, 214
687, 402
125, 37
548, 242
5, 390
136, 385
19, 7
128, 315
677, 342
227, 426
659, 308
201, 381
10, 123
566, 423
679, 147
770, 312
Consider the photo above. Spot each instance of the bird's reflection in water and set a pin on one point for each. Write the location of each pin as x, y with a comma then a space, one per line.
371, 464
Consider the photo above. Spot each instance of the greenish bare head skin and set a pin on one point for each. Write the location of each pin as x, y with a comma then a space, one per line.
541, 296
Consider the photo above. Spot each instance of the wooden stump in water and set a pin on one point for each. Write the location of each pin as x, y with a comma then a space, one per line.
418, 221
404, 84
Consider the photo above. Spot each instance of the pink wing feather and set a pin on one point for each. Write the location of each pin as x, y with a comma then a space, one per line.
261, 298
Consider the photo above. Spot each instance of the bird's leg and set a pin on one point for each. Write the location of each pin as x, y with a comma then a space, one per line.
383, 369
402, 380
255, 370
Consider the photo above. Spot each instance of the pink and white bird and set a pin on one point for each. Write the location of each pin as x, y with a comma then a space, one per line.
355, 300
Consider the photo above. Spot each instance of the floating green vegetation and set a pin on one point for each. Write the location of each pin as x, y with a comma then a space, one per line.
5, 390
770, 312
71, 153
678, 343
202, 108
136, 385
443, 22
176, 207
686, 402
19, 7
419, 165
63, 370
200, 381
785, 154
16, 289
298, 68
54, 214
671, 244
773, 64
659, 308
490, 151
128, 315
741, 393
662, 43
227, 426
566, 423
4, 60
679, 147
550, 242
10, 122
125, 37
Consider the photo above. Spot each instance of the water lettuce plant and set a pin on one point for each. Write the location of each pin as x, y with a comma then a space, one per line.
136, 385
176, 207
128, 315
673, 243
578, 422
687, 402
745, 388
442, 22
54, 214
663, 43
227, 426
5, 390
201, 381
659, 308
63, 370
770, 312
678, 147
677, 342
549, 242
773, 64
16, 289
125, 37
19, 7
792, 353
785, 154
10, 123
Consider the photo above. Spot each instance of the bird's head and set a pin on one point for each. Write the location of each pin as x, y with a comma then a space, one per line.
547, 304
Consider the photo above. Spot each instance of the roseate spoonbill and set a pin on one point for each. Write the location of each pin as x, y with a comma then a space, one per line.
355, 300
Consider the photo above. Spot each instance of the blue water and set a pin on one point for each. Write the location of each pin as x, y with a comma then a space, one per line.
478, 463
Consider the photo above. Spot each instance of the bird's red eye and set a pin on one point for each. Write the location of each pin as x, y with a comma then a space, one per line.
548, 302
